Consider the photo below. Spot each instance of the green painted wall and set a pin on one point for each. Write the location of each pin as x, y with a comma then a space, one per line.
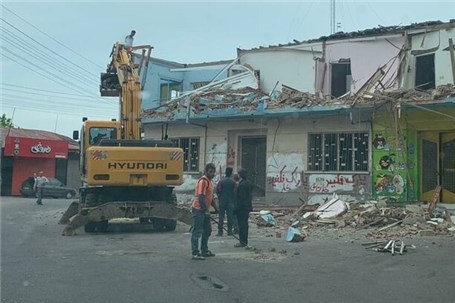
396, 165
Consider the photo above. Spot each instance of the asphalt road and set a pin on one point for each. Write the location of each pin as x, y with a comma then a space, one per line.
40, 265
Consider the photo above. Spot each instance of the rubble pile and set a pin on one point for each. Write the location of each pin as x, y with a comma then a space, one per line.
246, 99
409, 95
376, 220
219, 101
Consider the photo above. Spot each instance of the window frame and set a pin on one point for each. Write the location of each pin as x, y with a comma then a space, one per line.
169, 86
320, 152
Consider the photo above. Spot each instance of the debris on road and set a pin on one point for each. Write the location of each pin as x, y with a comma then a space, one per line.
391, 246
376, 220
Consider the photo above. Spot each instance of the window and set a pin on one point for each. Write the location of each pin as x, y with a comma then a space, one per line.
98, 133
190, 147
338, 152
341, 77
169, 89
425, 74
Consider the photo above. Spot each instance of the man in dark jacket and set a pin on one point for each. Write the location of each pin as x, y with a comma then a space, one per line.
243, 207
226, 196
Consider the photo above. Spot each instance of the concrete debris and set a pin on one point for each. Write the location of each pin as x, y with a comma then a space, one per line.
267, 220
294, 235
333, 208
341, 218
227, 101
391, 246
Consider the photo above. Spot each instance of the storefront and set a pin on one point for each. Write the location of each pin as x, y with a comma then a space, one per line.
29, 151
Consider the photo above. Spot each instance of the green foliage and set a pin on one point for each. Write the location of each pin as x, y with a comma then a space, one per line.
6, 122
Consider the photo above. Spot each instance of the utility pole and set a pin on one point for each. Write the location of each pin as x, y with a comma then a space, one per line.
332, 17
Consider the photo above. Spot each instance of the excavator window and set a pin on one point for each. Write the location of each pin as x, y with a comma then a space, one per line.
98, 133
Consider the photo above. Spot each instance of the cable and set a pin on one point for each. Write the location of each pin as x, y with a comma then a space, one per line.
58, 42
42, 45
53, 61
43, 90
48, 62
47, 100
80, 89
69, 113
73, 87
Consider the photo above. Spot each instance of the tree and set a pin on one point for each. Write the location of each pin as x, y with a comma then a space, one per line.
6, 122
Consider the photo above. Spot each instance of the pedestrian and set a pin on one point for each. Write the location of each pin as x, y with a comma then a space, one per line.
38, 187
226, 197
243, 207
129, 40
200, 209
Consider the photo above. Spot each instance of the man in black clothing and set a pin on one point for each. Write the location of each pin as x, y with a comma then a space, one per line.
243, 207
226, 196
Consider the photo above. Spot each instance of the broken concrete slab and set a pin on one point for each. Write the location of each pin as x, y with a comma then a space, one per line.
333, 208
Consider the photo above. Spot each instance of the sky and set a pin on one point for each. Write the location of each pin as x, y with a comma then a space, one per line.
51, 53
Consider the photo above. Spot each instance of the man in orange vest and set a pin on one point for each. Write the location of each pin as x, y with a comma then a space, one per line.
202, 228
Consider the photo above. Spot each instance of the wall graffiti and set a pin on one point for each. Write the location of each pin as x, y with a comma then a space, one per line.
284, 172
391, 169
336, 183
349, 187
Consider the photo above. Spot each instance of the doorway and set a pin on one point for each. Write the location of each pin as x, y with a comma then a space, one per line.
253, 151
437, 165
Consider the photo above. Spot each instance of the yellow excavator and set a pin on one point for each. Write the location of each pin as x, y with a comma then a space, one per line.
124, 176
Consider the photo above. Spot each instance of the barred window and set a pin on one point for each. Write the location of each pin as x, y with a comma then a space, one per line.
338, 152
190, 148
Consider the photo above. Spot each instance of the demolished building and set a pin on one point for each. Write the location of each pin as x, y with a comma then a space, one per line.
364, 115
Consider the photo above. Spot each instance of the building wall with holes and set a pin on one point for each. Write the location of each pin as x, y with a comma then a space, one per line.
429, 43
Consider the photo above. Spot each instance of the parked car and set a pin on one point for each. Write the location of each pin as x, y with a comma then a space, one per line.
54, 188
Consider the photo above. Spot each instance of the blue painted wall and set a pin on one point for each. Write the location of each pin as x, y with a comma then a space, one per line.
160, 70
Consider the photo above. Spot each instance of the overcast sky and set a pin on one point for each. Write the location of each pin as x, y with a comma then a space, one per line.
52, 52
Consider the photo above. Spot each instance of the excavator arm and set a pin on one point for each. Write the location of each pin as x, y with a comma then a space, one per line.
126, 79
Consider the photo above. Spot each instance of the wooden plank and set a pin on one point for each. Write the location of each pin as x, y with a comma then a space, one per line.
434, 200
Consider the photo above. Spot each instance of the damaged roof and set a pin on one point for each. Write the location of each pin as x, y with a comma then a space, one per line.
247, 102
376, 31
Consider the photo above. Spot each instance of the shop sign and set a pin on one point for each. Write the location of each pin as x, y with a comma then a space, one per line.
35, 148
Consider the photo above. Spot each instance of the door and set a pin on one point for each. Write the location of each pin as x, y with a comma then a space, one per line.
437, 165
253, 160
448, 167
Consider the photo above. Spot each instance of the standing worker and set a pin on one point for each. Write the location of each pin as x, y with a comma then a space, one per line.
129, 40
40, 181
243, 207
200, 209
226, 197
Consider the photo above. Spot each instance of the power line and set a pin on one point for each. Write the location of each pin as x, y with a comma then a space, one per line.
74, 86
42, 45
46, 104
44, 90
44, 95
61, 82
58, 42
48, 61
69, 113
